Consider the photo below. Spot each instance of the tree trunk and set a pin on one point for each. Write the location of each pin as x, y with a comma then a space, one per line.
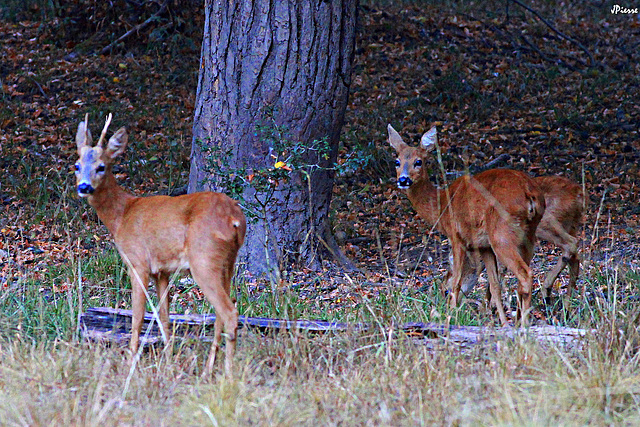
272, 92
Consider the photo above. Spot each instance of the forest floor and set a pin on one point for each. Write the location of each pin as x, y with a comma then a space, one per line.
495, 84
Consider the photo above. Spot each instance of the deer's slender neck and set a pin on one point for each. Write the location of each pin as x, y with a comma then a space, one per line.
110, 200
426, 200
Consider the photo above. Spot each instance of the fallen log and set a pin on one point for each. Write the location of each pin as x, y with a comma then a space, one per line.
109, 324
114, 325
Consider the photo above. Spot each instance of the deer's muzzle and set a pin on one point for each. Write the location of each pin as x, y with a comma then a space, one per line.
85, 189
404, 182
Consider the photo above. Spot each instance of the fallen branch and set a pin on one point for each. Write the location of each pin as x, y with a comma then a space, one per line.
558, 61
558, 32
135, 29
497, 162
112, 325
529, 45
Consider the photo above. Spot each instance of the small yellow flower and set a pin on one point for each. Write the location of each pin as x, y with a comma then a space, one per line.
280, 165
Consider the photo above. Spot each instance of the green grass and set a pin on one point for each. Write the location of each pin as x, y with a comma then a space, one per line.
352, 377
47, 307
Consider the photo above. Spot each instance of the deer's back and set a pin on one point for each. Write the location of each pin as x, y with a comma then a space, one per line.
564, 202
479, 202
159, 230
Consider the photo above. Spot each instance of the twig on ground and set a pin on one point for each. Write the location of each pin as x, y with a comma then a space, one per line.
498, 161
502, 158
39, 87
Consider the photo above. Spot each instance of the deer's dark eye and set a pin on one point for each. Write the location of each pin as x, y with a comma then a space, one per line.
397, 163
100, 168
77, 167
417, 163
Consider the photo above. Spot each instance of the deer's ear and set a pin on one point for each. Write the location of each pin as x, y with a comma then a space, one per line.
429, 139
117, 143
83, 135
395, 139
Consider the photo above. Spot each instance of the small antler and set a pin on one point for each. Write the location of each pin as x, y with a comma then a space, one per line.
87, 138
104, 130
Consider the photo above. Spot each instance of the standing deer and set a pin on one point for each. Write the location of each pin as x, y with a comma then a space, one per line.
494, 213
560, 223
158, 235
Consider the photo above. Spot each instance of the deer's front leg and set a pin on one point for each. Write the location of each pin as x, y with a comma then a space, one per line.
458, 258
162, 289
139, 281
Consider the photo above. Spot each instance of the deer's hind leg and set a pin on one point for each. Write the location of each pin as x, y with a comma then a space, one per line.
569, 245
211, 273
514, 250
494, 292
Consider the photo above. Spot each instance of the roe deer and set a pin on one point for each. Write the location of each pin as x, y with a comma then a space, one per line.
494, 213
158, 235
560, 223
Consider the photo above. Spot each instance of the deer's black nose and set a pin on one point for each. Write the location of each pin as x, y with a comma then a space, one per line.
85, 188
404, 182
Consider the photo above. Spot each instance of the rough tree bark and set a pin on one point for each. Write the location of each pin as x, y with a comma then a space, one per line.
274, 67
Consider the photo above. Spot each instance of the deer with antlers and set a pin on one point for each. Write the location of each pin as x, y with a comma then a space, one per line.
493, 214
158, 235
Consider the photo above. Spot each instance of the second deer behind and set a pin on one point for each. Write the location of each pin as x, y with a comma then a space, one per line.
493, 214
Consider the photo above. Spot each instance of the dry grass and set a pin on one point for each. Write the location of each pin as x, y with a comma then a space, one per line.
351, 378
